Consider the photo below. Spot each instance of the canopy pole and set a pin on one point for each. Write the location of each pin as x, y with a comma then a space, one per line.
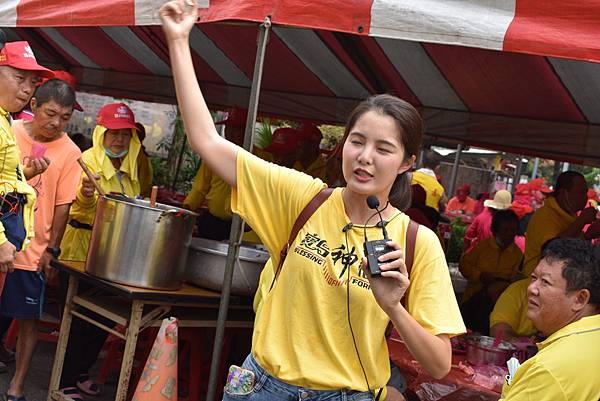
420, 158
454, 175
516, 179
236, 224
536, 165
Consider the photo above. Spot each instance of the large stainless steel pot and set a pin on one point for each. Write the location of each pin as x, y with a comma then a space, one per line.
135, 244
480, 351
206, 266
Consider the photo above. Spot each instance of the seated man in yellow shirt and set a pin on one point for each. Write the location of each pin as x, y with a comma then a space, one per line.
564, 305
210, 190
509, 317
426, 177
563, 215
489, 267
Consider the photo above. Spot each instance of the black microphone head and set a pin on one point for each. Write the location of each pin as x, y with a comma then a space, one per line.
372, 202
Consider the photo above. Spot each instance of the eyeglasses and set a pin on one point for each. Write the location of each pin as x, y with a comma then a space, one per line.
123, 134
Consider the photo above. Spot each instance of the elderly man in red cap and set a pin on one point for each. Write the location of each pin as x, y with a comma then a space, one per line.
462, 202
19, 72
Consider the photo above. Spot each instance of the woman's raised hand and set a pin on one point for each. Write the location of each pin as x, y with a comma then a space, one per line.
178, 17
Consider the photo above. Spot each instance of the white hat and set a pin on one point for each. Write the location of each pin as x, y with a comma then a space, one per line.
502, 200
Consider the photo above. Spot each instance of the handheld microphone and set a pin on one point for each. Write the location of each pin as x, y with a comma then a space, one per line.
375, 249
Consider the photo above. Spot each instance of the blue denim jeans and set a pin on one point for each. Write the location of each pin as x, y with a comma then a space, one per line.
268, 388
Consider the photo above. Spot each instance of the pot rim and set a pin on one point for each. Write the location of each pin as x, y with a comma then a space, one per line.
122, 198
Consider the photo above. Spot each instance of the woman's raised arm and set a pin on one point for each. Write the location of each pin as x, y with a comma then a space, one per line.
178, 18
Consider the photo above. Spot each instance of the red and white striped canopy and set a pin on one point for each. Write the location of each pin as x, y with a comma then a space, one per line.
516, 75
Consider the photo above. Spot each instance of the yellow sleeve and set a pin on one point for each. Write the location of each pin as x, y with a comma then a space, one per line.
3, 238
200, 188
468, 263
507, 310
270, 198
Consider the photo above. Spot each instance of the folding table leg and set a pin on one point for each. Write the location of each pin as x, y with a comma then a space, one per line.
133, 329
63, 338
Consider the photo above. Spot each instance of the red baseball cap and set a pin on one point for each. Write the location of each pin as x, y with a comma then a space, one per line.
69, 79
116, 116
284, 141
19, 55
310, 132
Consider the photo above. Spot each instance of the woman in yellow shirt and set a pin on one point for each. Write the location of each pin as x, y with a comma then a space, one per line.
321, 329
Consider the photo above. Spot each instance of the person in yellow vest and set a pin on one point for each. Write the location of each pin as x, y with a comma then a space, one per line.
113, 158
489, 268
563, 215
509, 318
426, 177
19, 72
564, 305
310, 339
145, 171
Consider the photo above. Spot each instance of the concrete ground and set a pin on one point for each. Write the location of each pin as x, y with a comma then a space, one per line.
36, 384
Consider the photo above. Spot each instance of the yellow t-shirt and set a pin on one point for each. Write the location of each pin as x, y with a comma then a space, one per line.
301, 335
564, 369
317, 169
433, 189
547, 222
76, 241
487, 257
10, 155
209, 187
511, 308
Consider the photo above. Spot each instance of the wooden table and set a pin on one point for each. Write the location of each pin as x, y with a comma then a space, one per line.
135, 309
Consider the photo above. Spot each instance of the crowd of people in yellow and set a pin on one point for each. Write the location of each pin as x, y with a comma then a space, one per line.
320, 324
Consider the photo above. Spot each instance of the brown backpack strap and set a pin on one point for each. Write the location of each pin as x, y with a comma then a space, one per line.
303, 217
411, 241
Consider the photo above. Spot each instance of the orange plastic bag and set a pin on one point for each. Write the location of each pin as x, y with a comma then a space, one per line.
159, 379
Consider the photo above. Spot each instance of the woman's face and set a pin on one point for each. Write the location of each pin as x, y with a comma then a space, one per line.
117, 140
373, 155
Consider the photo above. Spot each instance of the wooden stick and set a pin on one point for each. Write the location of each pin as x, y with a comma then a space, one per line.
153, 195
90, 175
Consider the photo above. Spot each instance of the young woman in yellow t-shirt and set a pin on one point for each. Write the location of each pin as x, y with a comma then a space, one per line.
321, 329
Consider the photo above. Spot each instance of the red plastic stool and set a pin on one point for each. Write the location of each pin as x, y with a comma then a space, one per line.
198, 341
